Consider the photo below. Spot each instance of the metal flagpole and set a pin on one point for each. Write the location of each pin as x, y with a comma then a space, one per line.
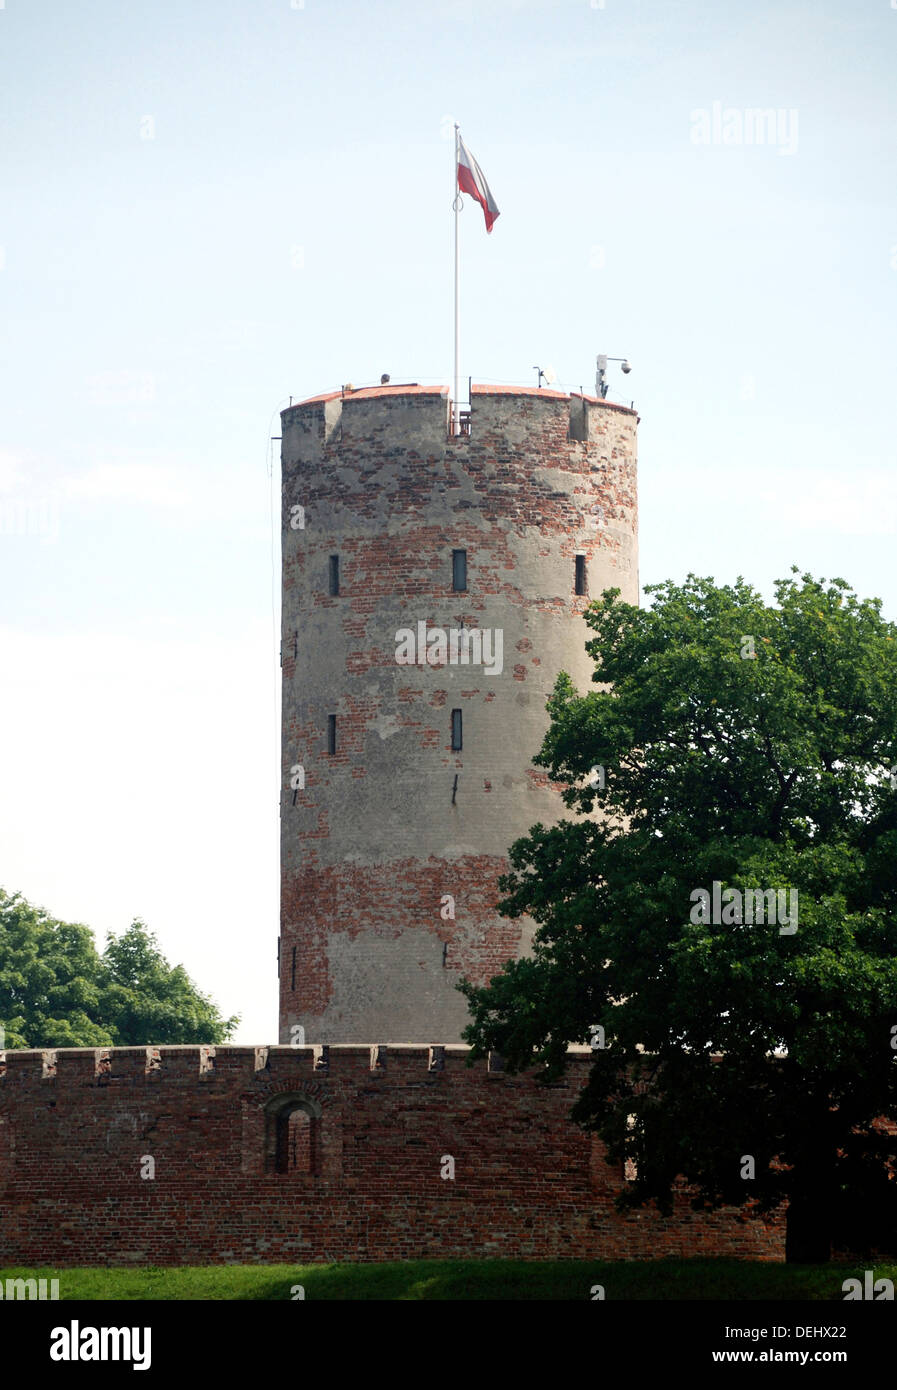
456, 405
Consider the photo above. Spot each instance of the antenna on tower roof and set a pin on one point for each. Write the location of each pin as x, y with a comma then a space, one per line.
601, 381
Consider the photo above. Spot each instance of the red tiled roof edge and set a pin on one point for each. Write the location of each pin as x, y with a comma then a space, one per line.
413, 389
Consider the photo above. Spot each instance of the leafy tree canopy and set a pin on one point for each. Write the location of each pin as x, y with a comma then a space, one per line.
56, 990
753, 746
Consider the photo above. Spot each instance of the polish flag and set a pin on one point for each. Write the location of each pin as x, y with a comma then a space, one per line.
471, 180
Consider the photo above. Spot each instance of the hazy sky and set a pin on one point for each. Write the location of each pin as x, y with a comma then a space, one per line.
210, 206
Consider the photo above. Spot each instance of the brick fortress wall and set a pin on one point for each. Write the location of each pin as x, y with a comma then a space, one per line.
236, 1179
392, 849
346, 1151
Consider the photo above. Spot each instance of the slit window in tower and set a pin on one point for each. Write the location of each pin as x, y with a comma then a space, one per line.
579, 583
331, 733
456, 731
334, 575
459, 571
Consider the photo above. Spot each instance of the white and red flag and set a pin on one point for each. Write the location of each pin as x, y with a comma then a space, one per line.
471, 180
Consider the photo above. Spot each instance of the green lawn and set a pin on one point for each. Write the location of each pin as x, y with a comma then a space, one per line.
464, 1279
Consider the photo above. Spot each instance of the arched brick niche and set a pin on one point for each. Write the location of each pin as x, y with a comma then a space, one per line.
291, 1129
293, 1135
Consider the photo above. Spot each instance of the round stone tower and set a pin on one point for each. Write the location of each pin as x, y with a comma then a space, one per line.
433, 587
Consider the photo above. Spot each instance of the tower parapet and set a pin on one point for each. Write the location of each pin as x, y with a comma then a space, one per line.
433, 588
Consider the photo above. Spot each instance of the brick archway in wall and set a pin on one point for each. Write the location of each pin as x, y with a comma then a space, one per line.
267, 1114
293, 1134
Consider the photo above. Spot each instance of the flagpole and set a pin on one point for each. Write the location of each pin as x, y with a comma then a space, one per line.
456, 408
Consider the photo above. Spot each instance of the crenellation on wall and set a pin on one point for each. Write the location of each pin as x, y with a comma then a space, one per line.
73, 1066
527, 1182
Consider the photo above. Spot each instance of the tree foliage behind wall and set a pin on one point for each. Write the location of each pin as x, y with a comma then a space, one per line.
57, 990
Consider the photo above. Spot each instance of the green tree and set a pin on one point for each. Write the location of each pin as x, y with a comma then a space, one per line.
754, 746
56, 990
